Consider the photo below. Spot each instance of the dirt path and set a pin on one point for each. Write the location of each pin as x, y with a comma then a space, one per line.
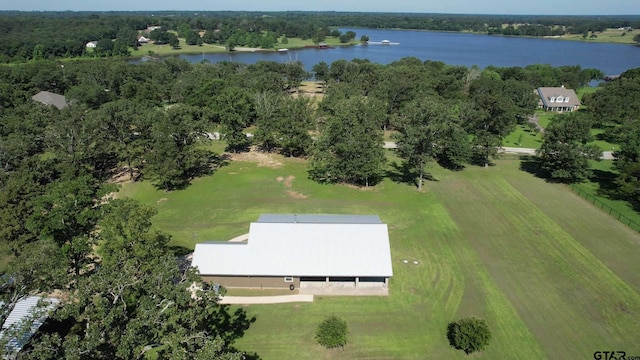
279, 299
534, 120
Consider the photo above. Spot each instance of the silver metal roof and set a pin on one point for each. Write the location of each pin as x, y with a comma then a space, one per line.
32, 308
301, 249
319, 219
49, 98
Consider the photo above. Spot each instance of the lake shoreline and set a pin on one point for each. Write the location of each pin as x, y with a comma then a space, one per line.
568, 37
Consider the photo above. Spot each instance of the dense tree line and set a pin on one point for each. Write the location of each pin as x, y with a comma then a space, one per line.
616, 108
28, 36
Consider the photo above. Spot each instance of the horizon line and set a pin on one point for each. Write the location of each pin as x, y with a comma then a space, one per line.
319, 11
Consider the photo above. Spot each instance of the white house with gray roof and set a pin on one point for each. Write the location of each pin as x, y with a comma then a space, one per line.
558, 99
293, 251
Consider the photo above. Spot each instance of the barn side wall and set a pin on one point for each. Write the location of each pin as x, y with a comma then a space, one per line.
252, 281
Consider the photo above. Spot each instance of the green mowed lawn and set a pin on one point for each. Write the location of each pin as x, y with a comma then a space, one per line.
553, 276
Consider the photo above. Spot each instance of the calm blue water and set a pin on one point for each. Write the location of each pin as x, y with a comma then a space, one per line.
457, 49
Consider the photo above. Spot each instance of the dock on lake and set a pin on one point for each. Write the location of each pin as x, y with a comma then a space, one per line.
383, 42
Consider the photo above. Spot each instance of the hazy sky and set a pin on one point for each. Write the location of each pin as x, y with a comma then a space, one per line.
544, 7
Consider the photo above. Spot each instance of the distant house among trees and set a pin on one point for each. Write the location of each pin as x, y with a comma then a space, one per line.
92, 44
49, 98
143, 40
558, 99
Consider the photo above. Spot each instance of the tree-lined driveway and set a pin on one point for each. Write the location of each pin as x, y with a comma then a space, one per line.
606, 155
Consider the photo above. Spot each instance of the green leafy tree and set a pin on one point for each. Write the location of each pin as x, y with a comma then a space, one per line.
38, 52
627, 162
67, 214
492, 115
637, 39
318, 36
236, 111
183, 30
424, 129
332, 332
40, 268
128, 36
19, 190
349, 148
617, 102
176, 159
321, 72
269, 120
127, 129
139, 300
469, 334
564, 153
125, 227
174, 41
192, 38
104, 47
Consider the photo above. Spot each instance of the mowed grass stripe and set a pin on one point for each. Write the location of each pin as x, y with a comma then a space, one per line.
483, 298
616, 245
412, 322
552, 280
475, 257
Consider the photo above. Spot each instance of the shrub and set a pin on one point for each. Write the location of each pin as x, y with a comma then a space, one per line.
469, 334
332, 332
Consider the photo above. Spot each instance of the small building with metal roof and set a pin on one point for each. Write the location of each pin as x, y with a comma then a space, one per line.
49, 98
23, 322
302, 251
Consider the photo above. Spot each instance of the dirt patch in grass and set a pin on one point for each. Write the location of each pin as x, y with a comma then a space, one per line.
123, 176
262, 159
296, 195
288, 182
361, 188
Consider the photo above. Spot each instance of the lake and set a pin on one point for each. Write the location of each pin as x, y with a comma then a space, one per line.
456, 49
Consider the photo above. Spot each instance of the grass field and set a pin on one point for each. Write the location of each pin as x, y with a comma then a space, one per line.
164, 50
553, 276
608, 36
604, 174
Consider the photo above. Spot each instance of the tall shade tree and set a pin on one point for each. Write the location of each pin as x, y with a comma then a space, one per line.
236, 111
349, 148
125, 226
17, 205
40, 268
492, 115
617, 102
627, 162
564, 153
283, 123
424, 129
321, 72
127, 126
176, 158
76, 141
67, 214
139, 300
